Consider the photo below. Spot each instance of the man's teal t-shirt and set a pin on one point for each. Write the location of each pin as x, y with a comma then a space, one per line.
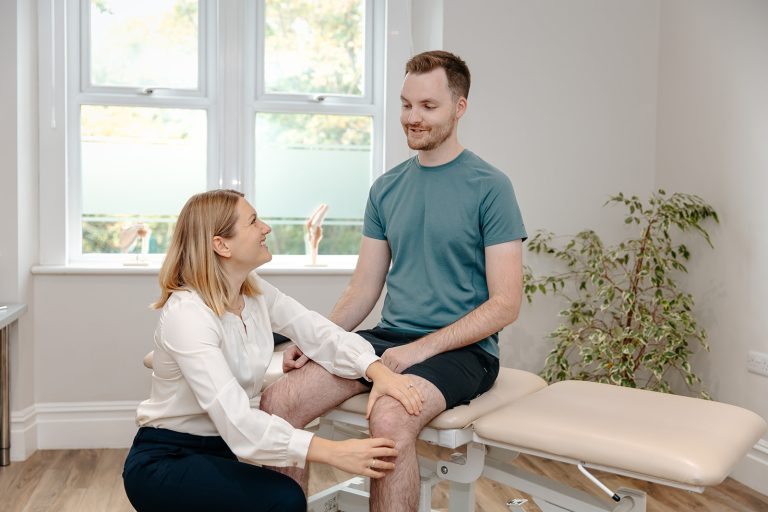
438, 221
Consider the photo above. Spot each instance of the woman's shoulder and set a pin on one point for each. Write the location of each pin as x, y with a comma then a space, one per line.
185, 318
183, 297
185, 303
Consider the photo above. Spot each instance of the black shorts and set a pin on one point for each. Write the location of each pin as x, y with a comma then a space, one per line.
460, 374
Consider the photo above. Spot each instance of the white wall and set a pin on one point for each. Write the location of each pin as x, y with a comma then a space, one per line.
18, 183
713, 141
8, 154
563, 99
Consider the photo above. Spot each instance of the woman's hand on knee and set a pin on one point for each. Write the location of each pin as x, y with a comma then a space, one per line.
366, 457
400, 387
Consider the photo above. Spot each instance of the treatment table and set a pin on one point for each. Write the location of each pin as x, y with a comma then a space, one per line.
677, 441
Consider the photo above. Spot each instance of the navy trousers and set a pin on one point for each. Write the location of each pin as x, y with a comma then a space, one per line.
171, 471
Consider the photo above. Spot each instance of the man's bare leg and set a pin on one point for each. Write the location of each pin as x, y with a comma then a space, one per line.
302, 395
399, 489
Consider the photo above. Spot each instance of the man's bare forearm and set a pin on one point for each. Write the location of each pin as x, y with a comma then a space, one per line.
354, 305
364, 289
487, 319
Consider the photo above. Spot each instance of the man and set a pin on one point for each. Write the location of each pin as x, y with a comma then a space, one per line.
449, 224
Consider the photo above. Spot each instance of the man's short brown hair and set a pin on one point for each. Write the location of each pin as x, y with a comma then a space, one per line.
455, 69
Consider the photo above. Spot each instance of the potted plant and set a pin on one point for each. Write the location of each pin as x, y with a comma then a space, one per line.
627, 321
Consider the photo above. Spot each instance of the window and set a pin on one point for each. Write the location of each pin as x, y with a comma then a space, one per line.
280, 99
313, 116
143, 137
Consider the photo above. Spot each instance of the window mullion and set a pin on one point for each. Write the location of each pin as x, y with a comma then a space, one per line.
231, 109
369, 47
250, 63
209, 83
258, 21
85, 46
77, 53
377, 77
52, 89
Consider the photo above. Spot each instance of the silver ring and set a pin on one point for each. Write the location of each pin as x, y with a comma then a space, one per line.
372, 464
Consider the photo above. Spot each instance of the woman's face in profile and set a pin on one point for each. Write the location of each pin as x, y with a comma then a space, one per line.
249, 245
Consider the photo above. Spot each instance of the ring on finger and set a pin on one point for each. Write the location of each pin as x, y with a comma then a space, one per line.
372, 464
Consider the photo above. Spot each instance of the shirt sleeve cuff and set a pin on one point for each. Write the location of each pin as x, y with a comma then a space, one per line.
298, 447
365, 360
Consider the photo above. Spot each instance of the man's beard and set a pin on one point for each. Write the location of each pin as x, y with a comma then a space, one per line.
435, 138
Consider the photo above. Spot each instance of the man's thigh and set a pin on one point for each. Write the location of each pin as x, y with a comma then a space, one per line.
460, 375
309, 391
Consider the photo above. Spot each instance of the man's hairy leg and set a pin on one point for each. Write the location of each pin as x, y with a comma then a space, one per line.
399, 489
302, 395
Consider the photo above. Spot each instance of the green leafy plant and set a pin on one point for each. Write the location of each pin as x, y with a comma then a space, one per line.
627, 321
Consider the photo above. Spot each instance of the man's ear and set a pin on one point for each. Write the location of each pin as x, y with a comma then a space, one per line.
461, 107
220, 247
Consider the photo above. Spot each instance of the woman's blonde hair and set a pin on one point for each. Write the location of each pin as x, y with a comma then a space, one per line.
191, 262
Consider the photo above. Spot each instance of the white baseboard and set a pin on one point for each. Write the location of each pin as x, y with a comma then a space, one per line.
23, 433
753, 470
77, 425
72, 425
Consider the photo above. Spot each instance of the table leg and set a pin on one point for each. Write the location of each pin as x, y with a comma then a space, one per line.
5, 398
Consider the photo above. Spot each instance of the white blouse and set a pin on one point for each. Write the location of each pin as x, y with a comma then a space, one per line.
207, 368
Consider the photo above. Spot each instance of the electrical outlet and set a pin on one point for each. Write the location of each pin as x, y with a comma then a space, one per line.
757, 362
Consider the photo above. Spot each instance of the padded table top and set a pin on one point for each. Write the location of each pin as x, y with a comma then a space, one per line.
510, 385
687, 440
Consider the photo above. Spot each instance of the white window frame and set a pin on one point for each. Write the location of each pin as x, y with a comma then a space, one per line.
83, 92
64, 86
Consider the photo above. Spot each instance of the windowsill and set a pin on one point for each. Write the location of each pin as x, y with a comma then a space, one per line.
280, 265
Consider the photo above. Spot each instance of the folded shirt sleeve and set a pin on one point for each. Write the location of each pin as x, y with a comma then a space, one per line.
192, 336
340, 352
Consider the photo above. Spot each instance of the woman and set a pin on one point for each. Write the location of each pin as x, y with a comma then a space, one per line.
213, 343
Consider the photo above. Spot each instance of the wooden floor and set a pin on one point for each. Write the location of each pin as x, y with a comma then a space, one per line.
90, 480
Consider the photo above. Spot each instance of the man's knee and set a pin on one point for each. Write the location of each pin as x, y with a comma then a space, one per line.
389, 419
